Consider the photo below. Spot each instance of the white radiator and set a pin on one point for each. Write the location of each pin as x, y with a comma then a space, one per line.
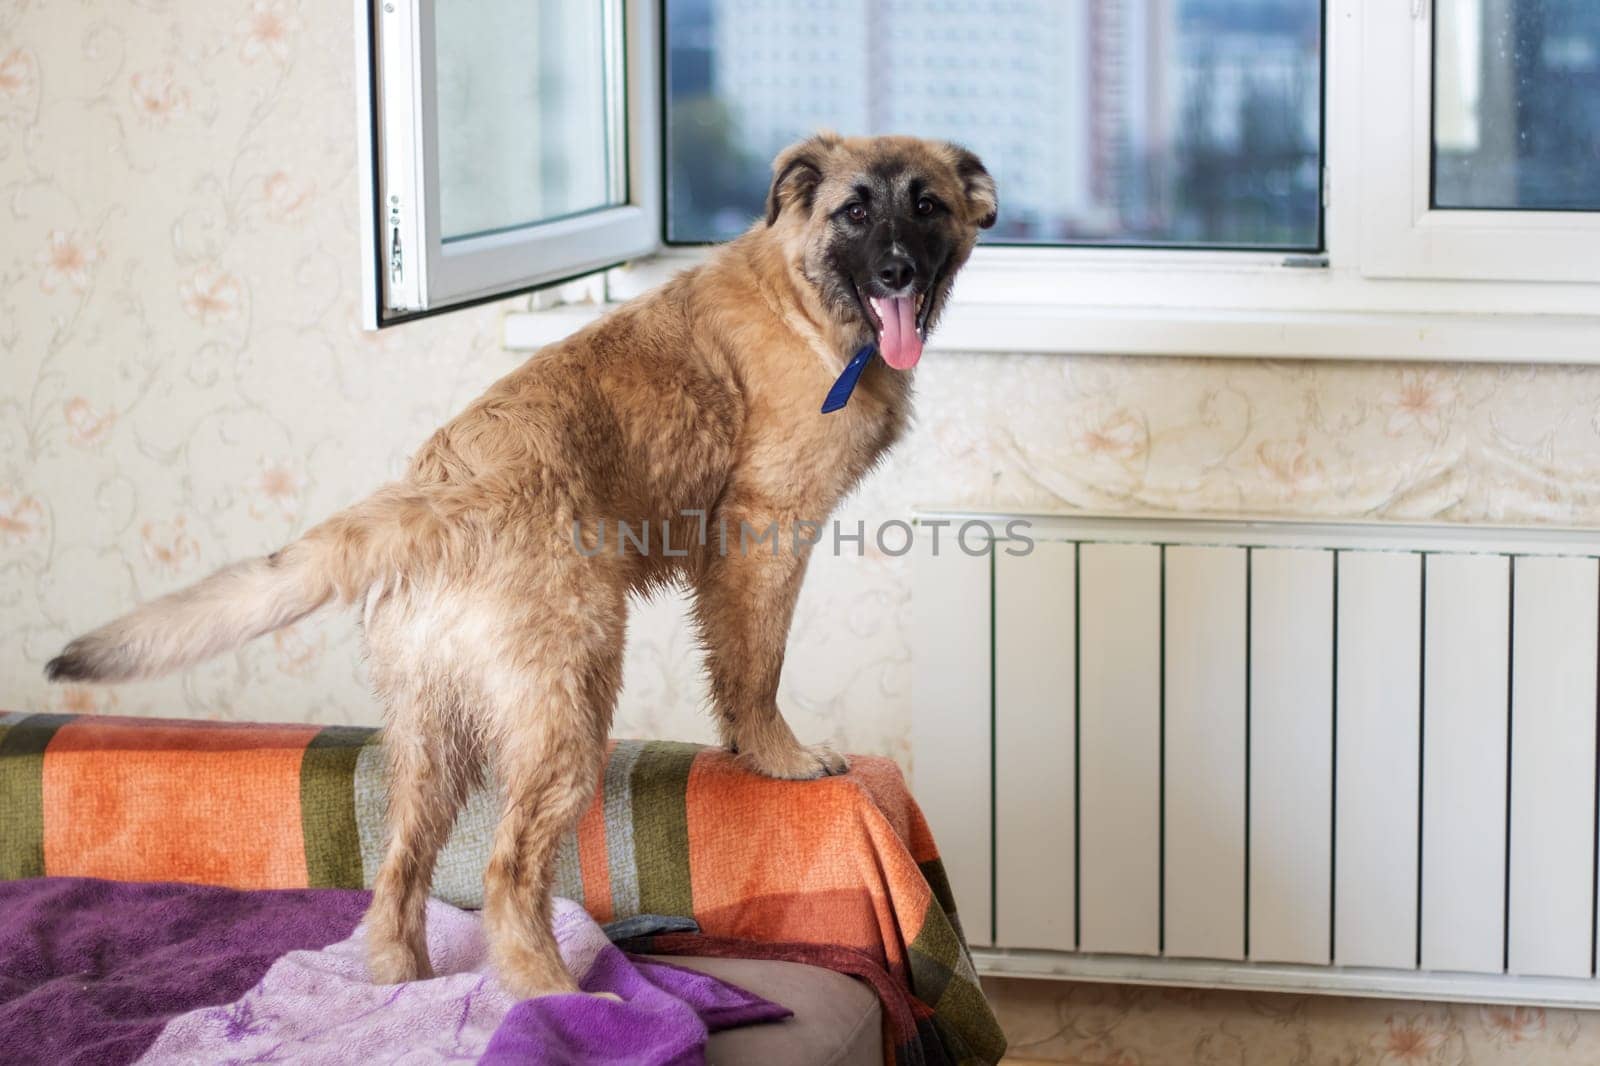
1344, 757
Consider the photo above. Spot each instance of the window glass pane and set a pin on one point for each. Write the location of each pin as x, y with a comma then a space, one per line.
1138, 122
525, 131
1516, 112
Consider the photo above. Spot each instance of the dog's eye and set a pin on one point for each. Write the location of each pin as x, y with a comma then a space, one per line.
926, 206
856, 213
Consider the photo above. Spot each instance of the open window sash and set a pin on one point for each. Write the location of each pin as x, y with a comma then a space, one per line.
503, 147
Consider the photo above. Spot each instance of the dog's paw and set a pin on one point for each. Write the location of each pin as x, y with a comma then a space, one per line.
798, 762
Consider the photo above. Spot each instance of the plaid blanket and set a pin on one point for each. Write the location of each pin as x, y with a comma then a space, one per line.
840, 872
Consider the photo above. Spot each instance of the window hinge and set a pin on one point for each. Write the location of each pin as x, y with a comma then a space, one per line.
1419, 9
1327, 188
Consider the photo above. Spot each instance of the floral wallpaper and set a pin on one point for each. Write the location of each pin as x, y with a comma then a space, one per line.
183, 379
183, 382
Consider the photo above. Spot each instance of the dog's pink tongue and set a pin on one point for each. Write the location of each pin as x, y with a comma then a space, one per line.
900, 344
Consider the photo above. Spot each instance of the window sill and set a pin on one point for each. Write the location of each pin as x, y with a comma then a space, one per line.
1258, 334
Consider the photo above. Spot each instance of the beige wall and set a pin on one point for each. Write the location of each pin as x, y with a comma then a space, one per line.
182, 382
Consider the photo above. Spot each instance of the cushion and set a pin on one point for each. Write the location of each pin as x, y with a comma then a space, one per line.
837, 1020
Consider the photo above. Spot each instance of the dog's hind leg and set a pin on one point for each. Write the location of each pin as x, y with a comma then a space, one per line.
433, 764
549, 743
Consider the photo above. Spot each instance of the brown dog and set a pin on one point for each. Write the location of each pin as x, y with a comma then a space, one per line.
494, 599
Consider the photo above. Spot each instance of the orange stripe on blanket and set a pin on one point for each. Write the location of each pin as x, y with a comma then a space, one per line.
212, 803
887, 787
839, 916
791, 869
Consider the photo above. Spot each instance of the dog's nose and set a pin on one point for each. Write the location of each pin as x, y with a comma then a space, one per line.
896, 272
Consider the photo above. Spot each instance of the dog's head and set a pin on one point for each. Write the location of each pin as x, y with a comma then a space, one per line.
879, 226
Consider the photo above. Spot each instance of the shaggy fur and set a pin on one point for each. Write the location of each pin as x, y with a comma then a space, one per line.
494, 642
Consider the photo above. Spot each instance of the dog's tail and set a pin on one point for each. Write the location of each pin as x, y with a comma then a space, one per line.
398, 530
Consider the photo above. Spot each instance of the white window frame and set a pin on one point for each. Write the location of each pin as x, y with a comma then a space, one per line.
408, 270
1404, 235
1354, 301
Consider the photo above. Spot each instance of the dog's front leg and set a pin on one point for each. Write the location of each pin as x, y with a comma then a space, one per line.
744, 600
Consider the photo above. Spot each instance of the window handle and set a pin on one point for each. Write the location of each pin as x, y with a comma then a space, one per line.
396, 258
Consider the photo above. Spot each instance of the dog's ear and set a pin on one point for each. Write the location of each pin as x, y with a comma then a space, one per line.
982, 201
796, 173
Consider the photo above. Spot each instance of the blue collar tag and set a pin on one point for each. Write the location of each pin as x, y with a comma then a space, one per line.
839, 395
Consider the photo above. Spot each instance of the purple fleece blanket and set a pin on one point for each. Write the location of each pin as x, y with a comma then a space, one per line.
110, 972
